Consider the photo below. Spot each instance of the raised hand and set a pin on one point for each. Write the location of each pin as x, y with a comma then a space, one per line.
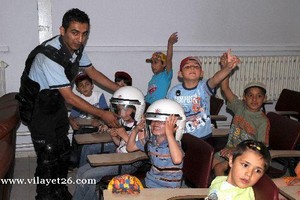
232, 60
228, 60
173, 38
223, 59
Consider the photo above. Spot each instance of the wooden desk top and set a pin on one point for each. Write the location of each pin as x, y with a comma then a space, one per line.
116, 158
93, 138
290, 192
160, 194
218, 117
220, 132
84, 121
284, 153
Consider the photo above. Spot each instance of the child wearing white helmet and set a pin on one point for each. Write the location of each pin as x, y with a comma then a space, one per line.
128, 103
165, 122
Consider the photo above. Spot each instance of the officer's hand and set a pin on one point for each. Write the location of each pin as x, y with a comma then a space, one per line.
111, 119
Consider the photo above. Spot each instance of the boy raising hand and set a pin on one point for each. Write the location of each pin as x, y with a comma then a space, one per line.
195, 91
249, 122
161, 65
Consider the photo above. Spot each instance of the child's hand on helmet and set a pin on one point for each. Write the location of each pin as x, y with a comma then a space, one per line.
171, 125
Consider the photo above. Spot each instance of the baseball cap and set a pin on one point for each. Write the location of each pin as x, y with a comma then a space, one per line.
158, 56
256, 84
81, 76
184, 61
123, 75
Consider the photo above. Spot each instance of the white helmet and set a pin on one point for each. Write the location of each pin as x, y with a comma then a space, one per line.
161, 109
129, 96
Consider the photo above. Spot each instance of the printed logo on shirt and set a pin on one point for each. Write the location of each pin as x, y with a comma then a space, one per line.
152, 89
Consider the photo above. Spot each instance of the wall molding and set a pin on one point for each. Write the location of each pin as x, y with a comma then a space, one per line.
213, 49
245, 50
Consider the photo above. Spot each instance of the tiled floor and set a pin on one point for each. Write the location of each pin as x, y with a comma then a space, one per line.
24, 169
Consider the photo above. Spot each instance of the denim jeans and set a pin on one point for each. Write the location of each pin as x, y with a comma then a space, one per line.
88, 191
90, 149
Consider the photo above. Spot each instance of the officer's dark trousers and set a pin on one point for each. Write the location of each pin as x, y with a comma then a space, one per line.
49, 128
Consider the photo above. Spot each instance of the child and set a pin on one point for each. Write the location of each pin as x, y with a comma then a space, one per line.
84, 85
194, 94
248, 162
249, 121
122, 79
164, 118
128, 102
161, 65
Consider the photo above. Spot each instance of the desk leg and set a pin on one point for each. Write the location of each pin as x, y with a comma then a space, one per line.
102, 147
119, 169
264, 108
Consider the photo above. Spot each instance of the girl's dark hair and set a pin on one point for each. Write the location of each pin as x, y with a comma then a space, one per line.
256, 146
74, 15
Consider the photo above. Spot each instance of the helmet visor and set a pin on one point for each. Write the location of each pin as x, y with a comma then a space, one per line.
160, 116
124, 112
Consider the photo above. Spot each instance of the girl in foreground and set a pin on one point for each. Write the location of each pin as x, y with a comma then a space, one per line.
248, 162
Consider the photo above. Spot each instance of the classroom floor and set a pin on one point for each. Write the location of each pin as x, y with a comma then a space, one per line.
25, 168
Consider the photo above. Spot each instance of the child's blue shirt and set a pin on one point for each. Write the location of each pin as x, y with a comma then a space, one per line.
196, 105
163, 173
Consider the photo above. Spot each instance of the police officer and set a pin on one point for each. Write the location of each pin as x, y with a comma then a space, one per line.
45, 87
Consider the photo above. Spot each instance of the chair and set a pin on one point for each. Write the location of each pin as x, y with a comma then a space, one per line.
289, 100
284, 134
215, 107
197, 161
265, 189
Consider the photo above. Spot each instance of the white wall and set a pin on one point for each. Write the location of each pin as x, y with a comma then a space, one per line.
125, 33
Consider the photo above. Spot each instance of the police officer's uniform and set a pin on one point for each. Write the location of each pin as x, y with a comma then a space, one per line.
43, 109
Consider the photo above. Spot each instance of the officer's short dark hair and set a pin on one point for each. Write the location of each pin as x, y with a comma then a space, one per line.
76, 15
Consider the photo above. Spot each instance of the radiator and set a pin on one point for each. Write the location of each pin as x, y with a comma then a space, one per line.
276, 72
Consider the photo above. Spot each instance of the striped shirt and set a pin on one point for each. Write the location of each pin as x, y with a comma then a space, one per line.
163, 173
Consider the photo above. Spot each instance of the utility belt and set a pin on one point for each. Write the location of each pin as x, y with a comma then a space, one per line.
49, 101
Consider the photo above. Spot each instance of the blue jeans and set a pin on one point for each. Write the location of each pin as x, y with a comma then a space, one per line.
90, 149
88, 191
